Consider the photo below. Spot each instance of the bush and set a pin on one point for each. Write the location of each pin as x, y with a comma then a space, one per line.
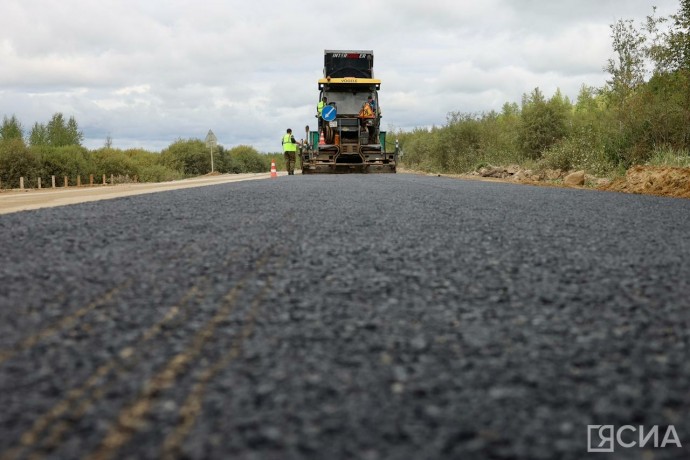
420, 149
279, 158
543, 123
460, 144
158, 173
116, 162
190, 157
143, 157
246, 159
582, 150
499, 135
227, 163
70, 160
135, 162
16, 160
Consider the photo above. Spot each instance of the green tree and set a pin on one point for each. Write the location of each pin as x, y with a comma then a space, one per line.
61, 133
510, 110
38, 135
501, 135
625, 142
671, 82
670, 49
627, 70
11, 128
543, 123
560, 104
586, 100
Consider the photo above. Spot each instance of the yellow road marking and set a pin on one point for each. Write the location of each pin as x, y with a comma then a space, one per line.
131, 418
33, 435
64, 323
192, 406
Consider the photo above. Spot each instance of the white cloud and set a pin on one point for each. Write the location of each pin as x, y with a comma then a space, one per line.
147, 73
136, 89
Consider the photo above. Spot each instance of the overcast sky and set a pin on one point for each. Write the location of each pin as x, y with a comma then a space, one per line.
148, 73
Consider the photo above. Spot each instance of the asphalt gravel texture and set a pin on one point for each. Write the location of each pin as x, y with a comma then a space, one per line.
345, 317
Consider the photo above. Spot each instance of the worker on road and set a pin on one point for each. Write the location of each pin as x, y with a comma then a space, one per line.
289, 151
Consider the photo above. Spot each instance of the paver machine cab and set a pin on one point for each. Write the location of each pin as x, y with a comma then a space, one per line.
348, 136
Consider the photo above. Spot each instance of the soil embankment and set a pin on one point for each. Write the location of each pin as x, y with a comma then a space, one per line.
647, 180
653, 180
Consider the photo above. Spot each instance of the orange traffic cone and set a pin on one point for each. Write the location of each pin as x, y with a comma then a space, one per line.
322, 141
274, 173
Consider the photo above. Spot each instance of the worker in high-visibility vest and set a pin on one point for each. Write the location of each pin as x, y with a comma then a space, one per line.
366, 119
372, 104
366, 111
289, 151
319, 107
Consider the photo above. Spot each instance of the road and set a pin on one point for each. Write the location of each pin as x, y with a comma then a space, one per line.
28, 199
356, 316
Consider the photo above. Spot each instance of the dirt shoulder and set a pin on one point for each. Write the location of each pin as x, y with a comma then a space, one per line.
647, 180
23, 200
653, 180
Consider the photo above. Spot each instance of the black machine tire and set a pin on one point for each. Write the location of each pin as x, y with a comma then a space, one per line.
329, 133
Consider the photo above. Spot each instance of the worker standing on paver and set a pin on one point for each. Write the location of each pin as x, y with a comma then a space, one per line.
319, 109
289, 151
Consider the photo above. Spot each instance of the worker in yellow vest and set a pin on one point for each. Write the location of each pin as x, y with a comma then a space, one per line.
289, 151
319, 109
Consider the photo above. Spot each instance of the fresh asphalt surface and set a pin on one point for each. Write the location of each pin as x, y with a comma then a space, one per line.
354, 317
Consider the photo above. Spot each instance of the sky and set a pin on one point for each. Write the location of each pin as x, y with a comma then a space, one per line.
149, 73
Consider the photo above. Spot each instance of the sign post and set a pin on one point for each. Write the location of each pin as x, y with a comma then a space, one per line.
211, 141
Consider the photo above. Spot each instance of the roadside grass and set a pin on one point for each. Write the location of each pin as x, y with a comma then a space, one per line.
594, 164
667, 156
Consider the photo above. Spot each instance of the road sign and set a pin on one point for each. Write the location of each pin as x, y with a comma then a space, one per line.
328, 113
211, 139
